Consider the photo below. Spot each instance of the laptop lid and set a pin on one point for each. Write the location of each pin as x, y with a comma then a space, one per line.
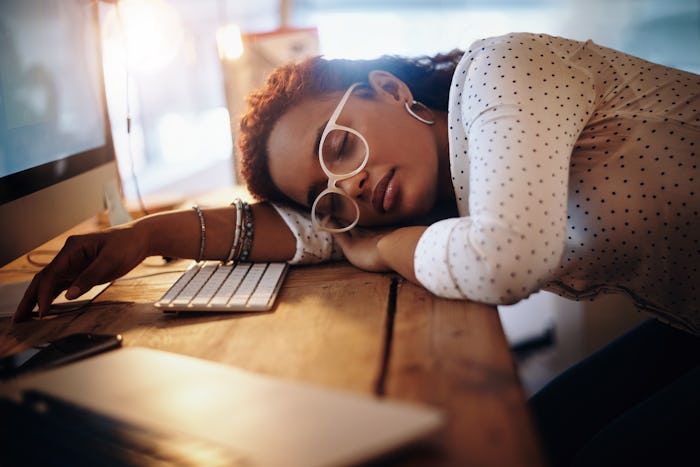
269, 421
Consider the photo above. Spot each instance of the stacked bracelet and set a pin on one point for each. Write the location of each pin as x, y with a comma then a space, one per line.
236, 235
243, 235
247, 232
202, 232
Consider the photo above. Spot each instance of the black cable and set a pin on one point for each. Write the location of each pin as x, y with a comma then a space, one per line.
127, 67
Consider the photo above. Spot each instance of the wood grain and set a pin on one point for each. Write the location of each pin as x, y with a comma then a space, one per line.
454, 355
327, 327
335, 326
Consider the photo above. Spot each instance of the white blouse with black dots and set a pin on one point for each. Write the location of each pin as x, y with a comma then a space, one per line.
575, 169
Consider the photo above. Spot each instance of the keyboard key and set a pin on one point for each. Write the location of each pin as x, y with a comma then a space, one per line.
241, 296
209, 289
195, 284
179, 284
267, 287
230, 285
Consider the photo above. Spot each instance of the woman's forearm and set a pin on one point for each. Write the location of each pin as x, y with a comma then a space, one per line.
178, 233
396, 249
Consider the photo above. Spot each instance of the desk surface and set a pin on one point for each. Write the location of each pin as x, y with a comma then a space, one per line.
339, 327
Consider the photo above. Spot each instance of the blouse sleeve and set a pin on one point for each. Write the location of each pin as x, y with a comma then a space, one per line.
312, 246
520, 106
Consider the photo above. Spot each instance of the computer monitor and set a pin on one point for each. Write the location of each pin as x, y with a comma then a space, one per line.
56, 151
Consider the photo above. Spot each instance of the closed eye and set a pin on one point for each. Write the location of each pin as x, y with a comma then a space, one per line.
334, 144
343, 145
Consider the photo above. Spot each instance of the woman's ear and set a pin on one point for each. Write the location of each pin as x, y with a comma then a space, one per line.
388, 86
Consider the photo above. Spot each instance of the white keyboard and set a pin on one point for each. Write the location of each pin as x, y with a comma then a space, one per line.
212, 286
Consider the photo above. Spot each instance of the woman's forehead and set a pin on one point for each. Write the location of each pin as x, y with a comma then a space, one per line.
302, 120
291, 146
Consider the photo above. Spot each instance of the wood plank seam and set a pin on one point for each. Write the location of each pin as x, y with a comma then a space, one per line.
380, 386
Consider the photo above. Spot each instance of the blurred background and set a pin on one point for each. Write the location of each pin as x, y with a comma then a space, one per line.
167, 62
177, 72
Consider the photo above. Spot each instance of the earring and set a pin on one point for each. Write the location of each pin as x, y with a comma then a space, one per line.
418, 117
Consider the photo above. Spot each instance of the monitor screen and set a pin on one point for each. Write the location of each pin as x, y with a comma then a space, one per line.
56, 152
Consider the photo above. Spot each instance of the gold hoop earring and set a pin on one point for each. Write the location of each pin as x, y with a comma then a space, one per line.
422, 107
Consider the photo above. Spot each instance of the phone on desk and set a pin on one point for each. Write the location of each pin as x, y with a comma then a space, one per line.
57, 352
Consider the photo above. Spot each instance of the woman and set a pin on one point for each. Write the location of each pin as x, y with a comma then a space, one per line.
526, 162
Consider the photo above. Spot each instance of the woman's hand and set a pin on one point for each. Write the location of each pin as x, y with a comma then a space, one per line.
83, 262
359, 246
382, 250
89, 260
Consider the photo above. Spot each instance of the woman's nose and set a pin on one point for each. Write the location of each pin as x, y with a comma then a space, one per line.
356, 185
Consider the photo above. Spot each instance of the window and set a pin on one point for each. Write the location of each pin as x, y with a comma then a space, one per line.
162, 70
174, 89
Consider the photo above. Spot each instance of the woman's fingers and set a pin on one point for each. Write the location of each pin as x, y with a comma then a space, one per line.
83, 262
26, 305
360, 248
102, 269
40, 292
74, 257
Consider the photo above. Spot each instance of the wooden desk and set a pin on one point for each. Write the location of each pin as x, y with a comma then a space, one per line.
338, 327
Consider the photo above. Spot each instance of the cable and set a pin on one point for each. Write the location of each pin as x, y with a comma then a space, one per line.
127, 74
40, 264
150, 274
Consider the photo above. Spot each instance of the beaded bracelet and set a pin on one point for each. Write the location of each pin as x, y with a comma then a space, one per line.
202, 232
236, 238
247, 234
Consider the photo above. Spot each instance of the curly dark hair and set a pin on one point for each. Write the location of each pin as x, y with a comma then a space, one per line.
428, 78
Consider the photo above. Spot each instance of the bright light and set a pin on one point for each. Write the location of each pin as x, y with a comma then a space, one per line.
185, 138
360, 34
151, 29
228, 41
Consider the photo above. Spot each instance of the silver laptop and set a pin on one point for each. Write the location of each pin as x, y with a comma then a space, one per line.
254, 420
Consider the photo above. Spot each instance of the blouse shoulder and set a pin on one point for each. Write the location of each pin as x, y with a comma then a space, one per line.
522, 41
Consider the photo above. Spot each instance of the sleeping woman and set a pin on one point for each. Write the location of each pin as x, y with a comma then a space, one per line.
527, 162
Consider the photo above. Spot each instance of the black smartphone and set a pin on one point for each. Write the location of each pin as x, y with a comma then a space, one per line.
57, 352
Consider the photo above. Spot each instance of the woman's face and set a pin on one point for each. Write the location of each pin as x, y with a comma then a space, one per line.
398, 183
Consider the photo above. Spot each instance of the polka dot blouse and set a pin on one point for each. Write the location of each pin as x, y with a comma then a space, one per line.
575, 169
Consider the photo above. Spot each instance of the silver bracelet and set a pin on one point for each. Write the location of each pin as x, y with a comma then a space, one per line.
202, 232
239, 206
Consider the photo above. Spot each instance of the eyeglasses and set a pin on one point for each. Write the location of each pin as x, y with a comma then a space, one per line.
343, 152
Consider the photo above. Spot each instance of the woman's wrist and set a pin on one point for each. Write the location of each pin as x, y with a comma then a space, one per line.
396, 249
146, 232
172, 233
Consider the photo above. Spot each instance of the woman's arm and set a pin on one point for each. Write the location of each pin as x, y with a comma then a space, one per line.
382, 250
397, 249
523, 107
96, 258
177, 234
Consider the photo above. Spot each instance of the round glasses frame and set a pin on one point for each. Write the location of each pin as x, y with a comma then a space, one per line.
333, 178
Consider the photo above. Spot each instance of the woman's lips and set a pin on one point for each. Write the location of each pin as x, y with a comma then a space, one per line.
384, 193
